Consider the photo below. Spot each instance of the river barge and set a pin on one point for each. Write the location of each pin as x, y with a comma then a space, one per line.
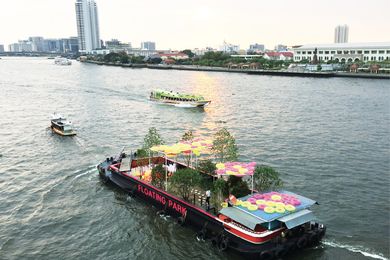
178, 99
240, 225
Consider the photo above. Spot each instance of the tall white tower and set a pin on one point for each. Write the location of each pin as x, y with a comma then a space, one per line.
341, 34
87, 25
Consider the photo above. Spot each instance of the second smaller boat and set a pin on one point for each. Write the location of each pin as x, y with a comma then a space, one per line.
60, 125
62, 61
178, 99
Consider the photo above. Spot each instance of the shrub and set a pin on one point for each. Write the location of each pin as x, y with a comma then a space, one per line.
184, 180
266, 178
237, 186
158, 176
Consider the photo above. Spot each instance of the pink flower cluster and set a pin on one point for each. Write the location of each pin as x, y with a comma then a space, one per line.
272, 202
235, 168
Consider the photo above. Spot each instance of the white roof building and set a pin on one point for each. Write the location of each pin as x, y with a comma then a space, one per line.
344, 52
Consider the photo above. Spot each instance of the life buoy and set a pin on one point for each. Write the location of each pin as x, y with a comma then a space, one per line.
201, 235
214, 241
103, 177
266, 255
281, 251
160, 212
180, 221
302, 242
223, 244
314, 238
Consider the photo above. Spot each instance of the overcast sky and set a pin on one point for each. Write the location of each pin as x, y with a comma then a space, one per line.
180, 24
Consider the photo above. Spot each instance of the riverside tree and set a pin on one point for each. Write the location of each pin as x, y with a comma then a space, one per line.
266, 178
220, 188
208, 167
184, 180
237, 186
151, 139
224, 146
188, 136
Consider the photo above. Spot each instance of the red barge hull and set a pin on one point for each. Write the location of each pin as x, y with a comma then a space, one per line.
223, 235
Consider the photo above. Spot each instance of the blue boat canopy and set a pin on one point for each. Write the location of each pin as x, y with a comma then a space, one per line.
251, 218
305, 203
297, 218
241, 217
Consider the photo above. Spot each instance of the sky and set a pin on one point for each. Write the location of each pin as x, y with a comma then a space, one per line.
183, 24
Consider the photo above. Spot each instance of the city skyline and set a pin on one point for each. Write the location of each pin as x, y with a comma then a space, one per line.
199, 24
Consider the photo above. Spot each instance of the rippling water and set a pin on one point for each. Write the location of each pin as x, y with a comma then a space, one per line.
329, 139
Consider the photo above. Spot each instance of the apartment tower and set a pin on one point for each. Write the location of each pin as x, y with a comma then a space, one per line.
87, 25
341, 34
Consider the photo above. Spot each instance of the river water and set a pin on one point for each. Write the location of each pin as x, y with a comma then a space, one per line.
328, 138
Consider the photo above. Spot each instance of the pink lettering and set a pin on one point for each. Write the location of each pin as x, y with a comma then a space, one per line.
154, 195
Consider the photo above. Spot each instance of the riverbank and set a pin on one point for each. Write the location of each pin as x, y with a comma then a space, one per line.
247, 71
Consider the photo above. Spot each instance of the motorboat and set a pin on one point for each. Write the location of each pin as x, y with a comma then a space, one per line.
60, 125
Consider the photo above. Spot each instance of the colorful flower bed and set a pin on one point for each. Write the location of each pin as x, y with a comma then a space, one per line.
271, 202
235, 168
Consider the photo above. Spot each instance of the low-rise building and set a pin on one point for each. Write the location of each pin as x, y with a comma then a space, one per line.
39, 44
141, 52
151, 46
173, 55
117, 46
21, 46
274, 55
200, 52
344, 52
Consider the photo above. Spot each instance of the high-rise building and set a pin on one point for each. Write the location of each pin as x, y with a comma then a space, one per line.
341, 34
256, 47
51, 45
1, 48
229, 48
87, 25
37, 42
281, 48
151, 46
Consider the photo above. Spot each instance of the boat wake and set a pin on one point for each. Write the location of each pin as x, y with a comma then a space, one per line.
92, 169
355, 249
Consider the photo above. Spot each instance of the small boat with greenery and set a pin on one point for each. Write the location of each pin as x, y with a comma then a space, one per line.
60, 125
178, 99
257, 225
